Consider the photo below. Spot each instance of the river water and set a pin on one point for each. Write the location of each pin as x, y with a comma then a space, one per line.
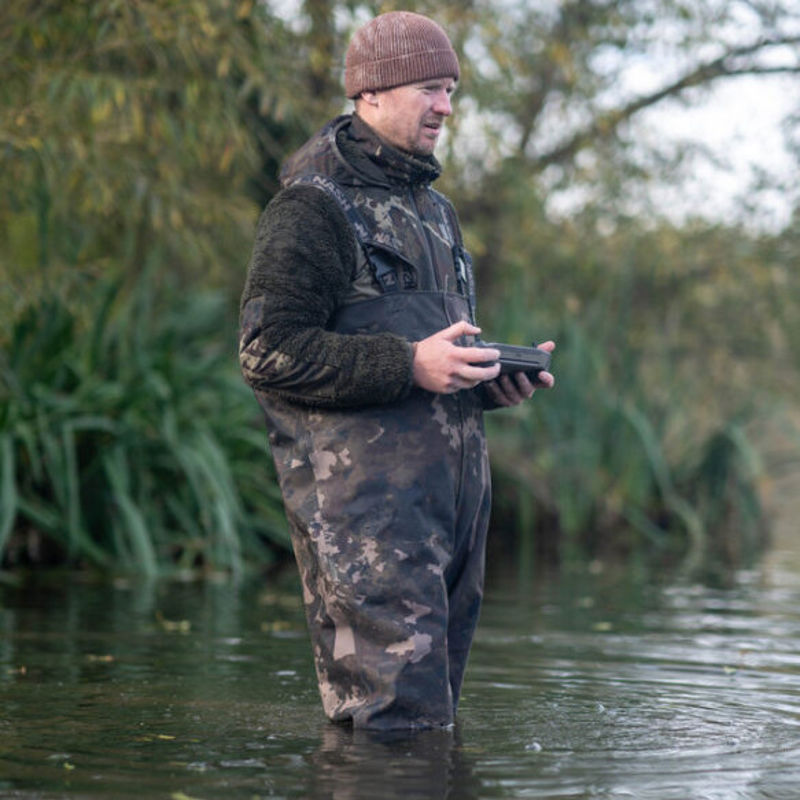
590, 683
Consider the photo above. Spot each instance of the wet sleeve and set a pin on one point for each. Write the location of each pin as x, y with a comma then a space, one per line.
300, 268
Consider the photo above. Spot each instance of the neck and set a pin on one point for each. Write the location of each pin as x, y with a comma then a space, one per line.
392, 160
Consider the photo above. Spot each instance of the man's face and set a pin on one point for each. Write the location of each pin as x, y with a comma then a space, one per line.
411, 116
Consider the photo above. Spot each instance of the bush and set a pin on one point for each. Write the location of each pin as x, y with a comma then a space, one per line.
126, 435
623, 460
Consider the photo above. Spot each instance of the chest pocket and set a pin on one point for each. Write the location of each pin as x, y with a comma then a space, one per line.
383, 267
391, 271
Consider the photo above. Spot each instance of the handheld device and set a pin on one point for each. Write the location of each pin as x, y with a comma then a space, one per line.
516, 358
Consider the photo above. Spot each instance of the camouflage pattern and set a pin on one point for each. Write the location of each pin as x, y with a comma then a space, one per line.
410, 226
388, 505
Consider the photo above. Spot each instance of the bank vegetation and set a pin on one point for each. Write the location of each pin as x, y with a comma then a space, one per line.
138, 144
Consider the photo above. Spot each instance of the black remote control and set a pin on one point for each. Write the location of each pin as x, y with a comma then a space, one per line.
516, 358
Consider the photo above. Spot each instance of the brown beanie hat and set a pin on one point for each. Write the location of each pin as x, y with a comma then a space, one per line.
397, 48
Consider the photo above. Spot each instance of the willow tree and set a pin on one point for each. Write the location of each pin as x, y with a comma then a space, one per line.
124, 136
548, 106
552, 94
128, 163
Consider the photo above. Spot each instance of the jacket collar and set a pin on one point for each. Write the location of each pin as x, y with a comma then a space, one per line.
359, 142
357, 155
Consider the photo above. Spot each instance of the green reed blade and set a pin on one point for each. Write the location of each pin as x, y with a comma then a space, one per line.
8, 490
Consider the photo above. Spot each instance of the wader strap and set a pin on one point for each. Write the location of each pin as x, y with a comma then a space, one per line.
384, 273
462, 260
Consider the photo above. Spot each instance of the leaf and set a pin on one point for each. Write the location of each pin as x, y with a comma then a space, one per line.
8, 490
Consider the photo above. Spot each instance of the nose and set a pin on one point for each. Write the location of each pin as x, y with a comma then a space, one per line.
442, 104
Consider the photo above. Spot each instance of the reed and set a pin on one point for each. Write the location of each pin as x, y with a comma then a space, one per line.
623, 456
126, 435
128, 441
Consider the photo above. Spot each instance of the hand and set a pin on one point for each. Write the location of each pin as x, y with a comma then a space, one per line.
444, 367
507, 392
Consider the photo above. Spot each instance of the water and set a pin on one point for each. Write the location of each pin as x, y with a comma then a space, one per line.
590, 684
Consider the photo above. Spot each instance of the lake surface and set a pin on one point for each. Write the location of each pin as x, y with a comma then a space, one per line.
594, 683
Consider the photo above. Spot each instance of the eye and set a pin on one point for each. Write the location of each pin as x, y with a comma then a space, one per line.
435, 88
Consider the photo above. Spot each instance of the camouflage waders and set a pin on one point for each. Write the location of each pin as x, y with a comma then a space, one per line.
388, 504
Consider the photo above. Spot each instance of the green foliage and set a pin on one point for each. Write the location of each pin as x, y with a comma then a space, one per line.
138, 143
126, 435
645, 445
126, 136
604, 465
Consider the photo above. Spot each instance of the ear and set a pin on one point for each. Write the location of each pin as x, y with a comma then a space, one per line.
370, 97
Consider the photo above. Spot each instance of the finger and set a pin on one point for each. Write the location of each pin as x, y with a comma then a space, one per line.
478, 355
479, 374
497, 395
460, 328
525, 386
544, 380
547, 346
510, 389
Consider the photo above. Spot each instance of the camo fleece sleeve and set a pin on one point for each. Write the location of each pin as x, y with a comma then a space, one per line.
302, 260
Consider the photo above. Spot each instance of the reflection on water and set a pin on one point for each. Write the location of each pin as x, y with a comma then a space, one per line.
586, 685
432, 764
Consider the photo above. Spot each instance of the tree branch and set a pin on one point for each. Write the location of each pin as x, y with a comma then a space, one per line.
605, 125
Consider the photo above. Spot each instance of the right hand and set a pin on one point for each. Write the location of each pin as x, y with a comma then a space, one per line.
444, 367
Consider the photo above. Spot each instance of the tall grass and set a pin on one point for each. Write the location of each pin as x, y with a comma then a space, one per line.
128, 441
623, 456
126, 435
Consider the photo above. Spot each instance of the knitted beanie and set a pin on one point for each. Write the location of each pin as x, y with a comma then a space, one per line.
397, 48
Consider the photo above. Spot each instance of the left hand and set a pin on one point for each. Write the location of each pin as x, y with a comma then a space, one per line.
508, 390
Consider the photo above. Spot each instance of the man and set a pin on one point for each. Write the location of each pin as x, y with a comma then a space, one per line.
355, 319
